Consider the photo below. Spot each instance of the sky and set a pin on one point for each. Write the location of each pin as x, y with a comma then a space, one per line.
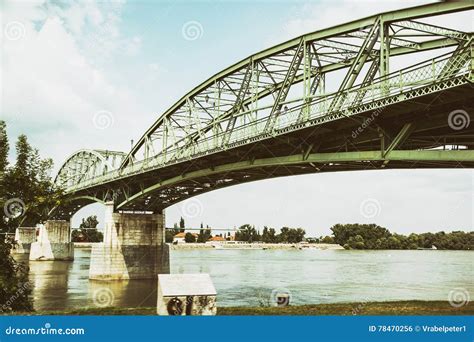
96, 75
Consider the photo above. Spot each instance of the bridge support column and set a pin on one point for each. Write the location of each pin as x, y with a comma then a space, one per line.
53, 242
24, 237
133, 247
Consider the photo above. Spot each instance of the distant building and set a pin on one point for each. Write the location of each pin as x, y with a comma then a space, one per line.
216, 239
180, 237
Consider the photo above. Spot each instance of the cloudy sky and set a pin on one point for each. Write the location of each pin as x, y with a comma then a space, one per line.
65, 63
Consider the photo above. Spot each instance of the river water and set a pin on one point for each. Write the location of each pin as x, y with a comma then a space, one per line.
248, 277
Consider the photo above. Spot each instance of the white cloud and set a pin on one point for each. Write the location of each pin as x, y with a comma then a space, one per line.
316, 16
50, 85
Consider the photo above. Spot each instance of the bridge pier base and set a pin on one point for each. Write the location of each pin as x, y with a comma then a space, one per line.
133, 247
53, 242
24, 237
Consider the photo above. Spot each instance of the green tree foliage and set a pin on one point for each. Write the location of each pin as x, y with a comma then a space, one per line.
3, 147
204, 235
28, 184
169, 235
291, 235
14, 285
87, 231
327, 239
371, 236
247, 233
269, 235
89, 222
182, 225
189, 238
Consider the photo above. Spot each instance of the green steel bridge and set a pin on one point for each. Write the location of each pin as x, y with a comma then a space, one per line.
383, 92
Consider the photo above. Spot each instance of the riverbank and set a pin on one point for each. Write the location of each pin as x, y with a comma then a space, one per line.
238, 245
397, 308
256, 245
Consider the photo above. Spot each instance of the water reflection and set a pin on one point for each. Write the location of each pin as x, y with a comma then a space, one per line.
247, 277
123, 293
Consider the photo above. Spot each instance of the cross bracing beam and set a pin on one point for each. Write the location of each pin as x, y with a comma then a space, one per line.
285, 88
86, 165
297, 78
313, 158
404, 86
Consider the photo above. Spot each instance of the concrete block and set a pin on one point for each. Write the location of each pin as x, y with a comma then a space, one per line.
186, 294
51, 251
128, 261
24, 237
133, 247
53, 242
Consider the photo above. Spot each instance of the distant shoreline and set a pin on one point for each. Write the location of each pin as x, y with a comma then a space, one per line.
264, 246
254, 246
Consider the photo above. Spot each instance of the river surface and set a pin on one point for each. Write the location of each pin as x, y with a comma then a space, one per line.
248, 277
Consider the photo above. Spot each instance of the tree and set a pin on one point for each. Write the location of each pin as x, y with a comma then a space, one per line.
89, 222
87, 231
189, 238
204, 235
3, 147
356, 242
169, 235
14, 285
368, 232
28, 188
291, 235
296, 235
182, 225
247, 233
24, 188
371, 236
327, 239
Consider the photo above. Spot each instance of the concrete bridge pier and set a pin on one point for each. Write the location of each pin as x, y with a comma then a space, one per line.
24, 237
53, 242
133, 247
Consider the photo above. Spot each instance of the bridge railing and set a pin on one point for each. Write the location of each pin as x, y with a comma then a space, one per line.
430, 76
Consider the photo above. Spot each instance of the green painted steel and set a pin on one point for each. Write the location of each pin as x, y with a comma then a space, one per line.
366, 156
338, 75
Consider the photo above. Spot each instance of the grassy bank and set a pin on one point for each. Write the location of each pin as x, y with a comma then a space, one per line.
373, 308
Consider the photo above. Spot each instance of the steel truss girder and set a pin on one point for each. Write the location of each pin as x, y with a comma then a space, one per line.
450, 156
391, 17
243, 103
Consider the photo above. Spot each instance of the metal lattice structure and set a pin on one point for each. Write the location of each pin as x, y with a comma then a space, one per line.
294, 108
87, 165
